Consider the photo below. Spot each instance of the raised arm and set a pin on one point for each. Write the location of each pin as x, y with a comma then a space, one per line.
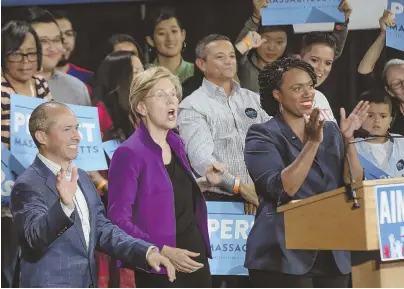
340, 31
368, 61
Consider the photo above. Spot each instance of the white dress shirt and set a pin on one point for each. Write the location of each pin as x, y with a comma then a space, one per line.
80, 202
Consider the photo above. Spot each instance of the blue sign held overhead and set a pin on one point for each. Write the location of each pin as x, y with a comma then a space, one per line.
90, 157
228, 229
395, 35
284, 12
390, 215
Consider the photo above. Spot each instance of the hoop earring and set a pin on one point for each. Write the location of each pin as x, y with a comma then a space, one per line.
184, 46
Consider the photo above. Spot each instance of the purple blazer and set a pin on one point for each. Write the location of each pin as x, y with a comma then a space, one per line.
140, 192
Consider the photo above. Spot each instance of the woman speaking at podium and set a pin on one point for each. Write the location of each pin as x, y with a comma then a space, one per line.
293, 156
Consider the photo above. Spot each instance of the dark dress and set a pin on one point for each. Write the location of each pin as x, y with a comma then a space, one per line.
188, 234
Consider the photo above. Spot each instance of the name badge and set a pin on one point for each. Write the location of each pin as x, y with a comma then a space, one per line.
251, 113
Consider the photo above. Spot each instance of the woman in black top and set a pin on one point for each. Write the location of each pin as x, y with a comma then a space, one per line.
188, 234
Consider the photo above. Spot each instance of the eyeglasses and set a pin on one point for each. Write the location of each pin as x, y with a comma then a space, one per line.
69, 34
19, 57
160, 95
397, 84
46, 42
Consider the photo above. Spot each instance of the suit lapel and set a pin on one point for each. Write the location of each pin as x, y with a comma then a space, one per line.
87, 189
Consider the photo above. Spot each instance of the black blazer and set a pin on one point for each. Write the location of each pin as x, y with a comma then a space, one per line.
270, 147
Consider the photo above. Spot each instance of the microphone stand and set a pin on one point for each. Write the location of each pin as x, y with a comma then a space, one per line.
350, 190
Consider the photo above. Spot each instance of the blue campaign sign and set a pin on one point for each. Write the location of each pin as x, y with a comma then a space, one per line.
283, 12
228, 230
10, 169
110, 147
390, 215
395, 35
91, 156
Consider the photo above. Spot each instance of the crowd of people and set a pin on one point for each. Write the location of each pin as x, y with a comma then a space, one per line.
244, 123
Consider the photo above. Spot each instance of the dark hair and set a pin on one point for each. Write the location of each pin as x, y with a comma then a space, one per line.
289, 31
120, 38
158, 15
40, 119
312, 38
60, 14
39, 15
378, 96
113, 80
271, 78
201, 46
12, 36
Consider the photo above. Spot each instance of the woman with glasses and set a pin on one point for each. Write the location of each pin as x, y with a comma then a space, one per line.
152, 191
21, 61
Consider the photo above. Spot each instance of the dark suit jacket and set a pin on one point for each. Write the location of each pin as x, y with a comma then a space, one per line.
270, 147
54, 252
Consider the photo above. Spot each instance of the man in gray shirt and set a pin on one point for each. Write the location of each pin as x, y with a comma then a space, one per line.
213, 121
64, 88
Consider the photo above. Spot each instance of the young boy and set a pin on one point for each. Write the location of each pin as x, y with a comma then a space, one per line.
381, 157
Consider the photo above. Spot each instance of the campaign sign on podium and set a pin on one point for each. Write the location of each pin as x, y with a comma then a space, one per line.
390, 214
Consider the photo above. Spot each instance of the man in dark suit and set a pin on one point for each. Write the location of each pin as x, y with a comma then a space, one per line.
59, 216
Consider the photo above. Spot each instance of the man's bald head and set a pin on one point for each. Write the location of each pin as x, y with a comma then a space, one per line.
43, 117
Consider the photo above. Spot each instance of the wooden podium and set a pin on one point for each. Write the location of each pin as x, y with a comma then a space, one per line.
327, 222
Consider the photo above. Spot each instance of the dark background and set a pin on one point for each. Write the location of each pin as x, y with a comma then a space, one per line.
95, 22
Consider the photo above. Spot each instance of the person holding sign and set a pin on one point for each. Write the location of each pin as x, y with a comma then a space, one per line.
293, 156
253, 59
152, 191
21, 61
382, 156
366, 78
59, 216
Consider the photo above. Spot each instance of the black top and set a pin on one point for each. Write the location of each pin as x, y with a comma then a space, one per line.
188, 234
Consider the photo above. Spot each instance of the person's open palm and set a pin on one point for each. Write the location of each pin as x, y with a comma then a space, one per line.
355, 120
67, 189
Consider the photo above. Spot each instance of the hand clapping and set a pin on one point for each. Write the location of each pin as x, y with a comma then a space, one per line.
314, 126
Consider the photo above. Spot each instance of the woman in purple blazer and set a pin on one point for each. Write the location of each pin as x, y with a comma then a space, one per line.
153, 194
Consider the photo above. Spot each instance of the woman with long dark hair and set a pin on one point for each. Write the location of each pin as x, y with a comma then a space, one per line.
111, 94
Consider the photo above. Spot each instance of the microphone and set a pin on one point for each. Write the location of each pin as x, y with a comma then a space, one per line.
361, 135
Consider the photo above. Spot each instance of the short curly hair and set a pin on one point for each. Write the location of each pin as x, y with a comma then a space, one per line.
271, 78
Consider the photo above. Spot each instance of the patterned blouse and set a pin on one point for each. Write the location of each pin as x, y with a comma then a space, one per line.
42, 91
